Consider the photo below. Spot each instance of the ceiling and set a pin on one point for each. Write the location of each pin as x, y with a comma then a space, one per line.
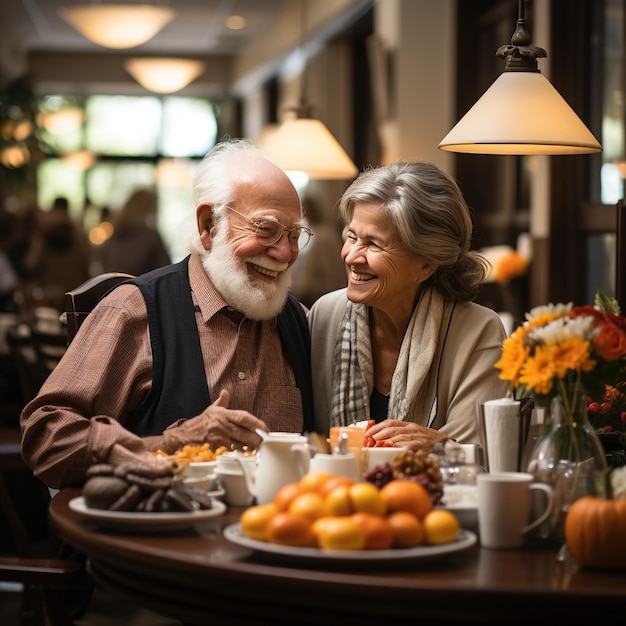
199, 26
35, 39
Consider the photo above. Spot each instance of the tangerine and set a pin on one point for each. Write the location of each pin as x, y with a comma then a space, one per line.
405, 495
338, 502
314, 481
289, 529
441, 526
407, 529
367, 497
336, 481
309, 504
254, 520
339, 533
285, 495
377, 530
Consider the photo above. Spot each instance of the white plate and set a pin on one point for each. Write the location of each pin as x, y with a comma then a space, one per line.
148, 521
466, 539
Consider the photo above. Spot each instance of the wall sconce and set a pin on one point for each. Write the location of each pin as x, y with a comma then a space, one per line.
521, 113
118, 25
162, 74
305, 144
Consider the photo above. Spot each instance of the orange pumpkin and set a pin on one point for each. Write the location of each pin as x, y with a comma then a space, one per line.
595, 533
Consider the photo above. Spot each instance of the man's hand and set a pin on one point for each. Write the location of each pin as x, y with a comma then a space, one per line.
218, 426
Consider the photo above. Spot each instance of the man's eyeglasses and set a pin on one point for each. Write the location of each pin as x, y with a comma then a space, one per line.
269, 232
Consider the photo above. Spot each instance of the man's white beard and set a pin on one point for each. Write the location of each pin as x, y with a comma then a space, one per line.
256, 299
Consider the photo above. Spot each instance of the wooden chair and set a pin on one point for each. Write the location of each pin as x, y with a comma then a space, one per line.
39, 352
80, 301
42, 578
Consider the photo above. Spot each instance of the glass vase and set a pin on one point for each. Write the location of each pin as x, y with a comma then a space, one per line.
569, 457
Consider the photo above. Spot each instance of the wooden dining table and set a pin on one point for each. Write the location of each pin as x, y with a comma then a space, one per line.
197, 575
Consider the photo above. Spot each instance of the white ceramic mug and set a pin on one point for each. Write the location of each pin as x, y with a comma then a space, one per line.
504, 507
335, 464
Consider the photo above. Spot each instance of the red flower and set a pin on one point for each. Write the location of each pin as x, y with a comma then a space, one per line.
609, 342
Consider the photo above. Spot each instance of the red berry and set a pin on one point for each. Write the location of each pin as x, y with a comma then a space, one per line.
593, 407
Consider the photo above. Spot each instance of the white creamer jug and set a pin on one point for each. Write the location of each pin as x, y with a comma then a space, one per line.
282, 458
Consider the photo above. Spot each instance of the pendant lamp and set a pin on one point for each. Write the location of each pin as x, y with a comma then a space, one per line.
305, 144
118, 25
521, 113
164, 74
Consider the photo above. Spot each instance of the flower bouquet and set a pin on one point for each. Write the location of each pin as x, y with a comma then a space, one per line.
566, 357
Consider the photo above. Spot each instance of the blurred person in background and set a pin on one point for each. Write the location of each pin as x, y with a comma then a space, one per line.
135, 247
59, 255
319, 268
9, 279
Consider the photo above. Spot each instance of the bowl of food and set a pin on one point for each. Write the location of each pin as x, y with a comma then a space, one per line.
462, 501
199, 469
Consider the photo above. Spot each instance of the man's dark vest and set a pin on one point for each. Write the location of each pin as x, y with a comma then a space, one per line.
179, 387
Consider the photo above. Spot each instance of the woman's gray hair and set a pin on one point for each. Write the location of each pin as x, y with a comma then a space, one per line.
430, 217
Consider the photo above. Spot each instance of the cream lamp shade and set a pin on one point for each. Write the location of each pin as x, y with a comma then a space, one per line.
118, 25
521, 113
163, 74
305, 144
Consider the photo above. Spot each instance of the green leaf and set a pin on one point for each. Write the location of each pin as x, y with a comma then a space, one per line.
605, 303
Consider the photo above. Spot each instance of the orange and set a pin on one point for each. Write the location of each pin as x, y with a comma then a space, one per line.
405, 495
367, 497
285, 495
441, 526
254, 520
289, 529
309, 504
338, 502
335, 481
314, 481
407, 529
378, 531
339, 533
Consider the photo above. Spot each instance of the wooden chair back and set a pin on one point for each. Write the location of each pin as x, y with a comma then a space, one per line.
79, 302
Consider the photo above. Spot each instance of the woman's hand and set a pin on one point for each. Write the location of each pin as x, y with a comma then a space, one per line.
405, 434
218, 426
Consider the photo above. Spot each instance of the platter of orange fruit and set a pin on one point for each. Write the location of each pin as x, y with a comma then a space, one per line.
334, 517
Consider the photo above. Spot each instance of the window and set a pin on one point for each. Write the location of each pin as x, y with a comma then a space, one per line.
102, 147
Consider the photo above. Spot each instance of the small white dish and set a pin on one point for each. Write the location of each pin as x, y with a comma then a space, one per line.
199, 469
206, 483
462, 501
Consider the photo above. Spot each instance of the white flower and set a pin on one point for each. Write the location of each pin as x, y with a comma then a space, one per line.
618, 482
551, 309
557, 331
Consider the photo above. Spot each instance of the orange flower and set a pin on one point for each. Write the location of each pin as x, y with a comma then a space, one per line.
609, 342
509, 266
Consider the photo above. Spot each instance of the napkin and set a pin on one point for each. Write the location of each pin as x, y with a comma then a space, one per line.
502, 434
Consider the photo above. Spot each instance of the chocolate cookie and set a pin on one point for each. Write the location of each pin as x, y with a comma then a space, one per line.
100, 492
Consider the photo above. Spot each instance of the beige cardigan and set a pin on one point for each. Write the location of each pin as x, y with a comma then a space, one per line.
467, 376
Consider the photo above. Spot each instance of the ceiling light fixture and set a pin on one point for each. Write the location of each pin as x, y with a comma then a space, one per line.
118, 25
305, 144
164, 74
521, 113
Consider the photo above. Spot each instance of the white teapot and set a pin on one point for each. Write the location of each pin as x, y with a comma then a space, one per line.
282, 458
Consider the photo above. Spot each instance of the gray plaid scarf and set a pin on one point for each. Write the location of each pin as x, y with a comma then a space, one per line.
414, 380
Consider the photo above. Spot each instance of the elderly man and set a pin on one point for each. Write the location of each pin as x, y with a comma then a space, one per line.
205, 350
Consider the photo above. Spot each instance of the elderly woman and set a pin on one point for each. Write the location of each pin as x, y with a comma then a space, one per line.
404, 344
